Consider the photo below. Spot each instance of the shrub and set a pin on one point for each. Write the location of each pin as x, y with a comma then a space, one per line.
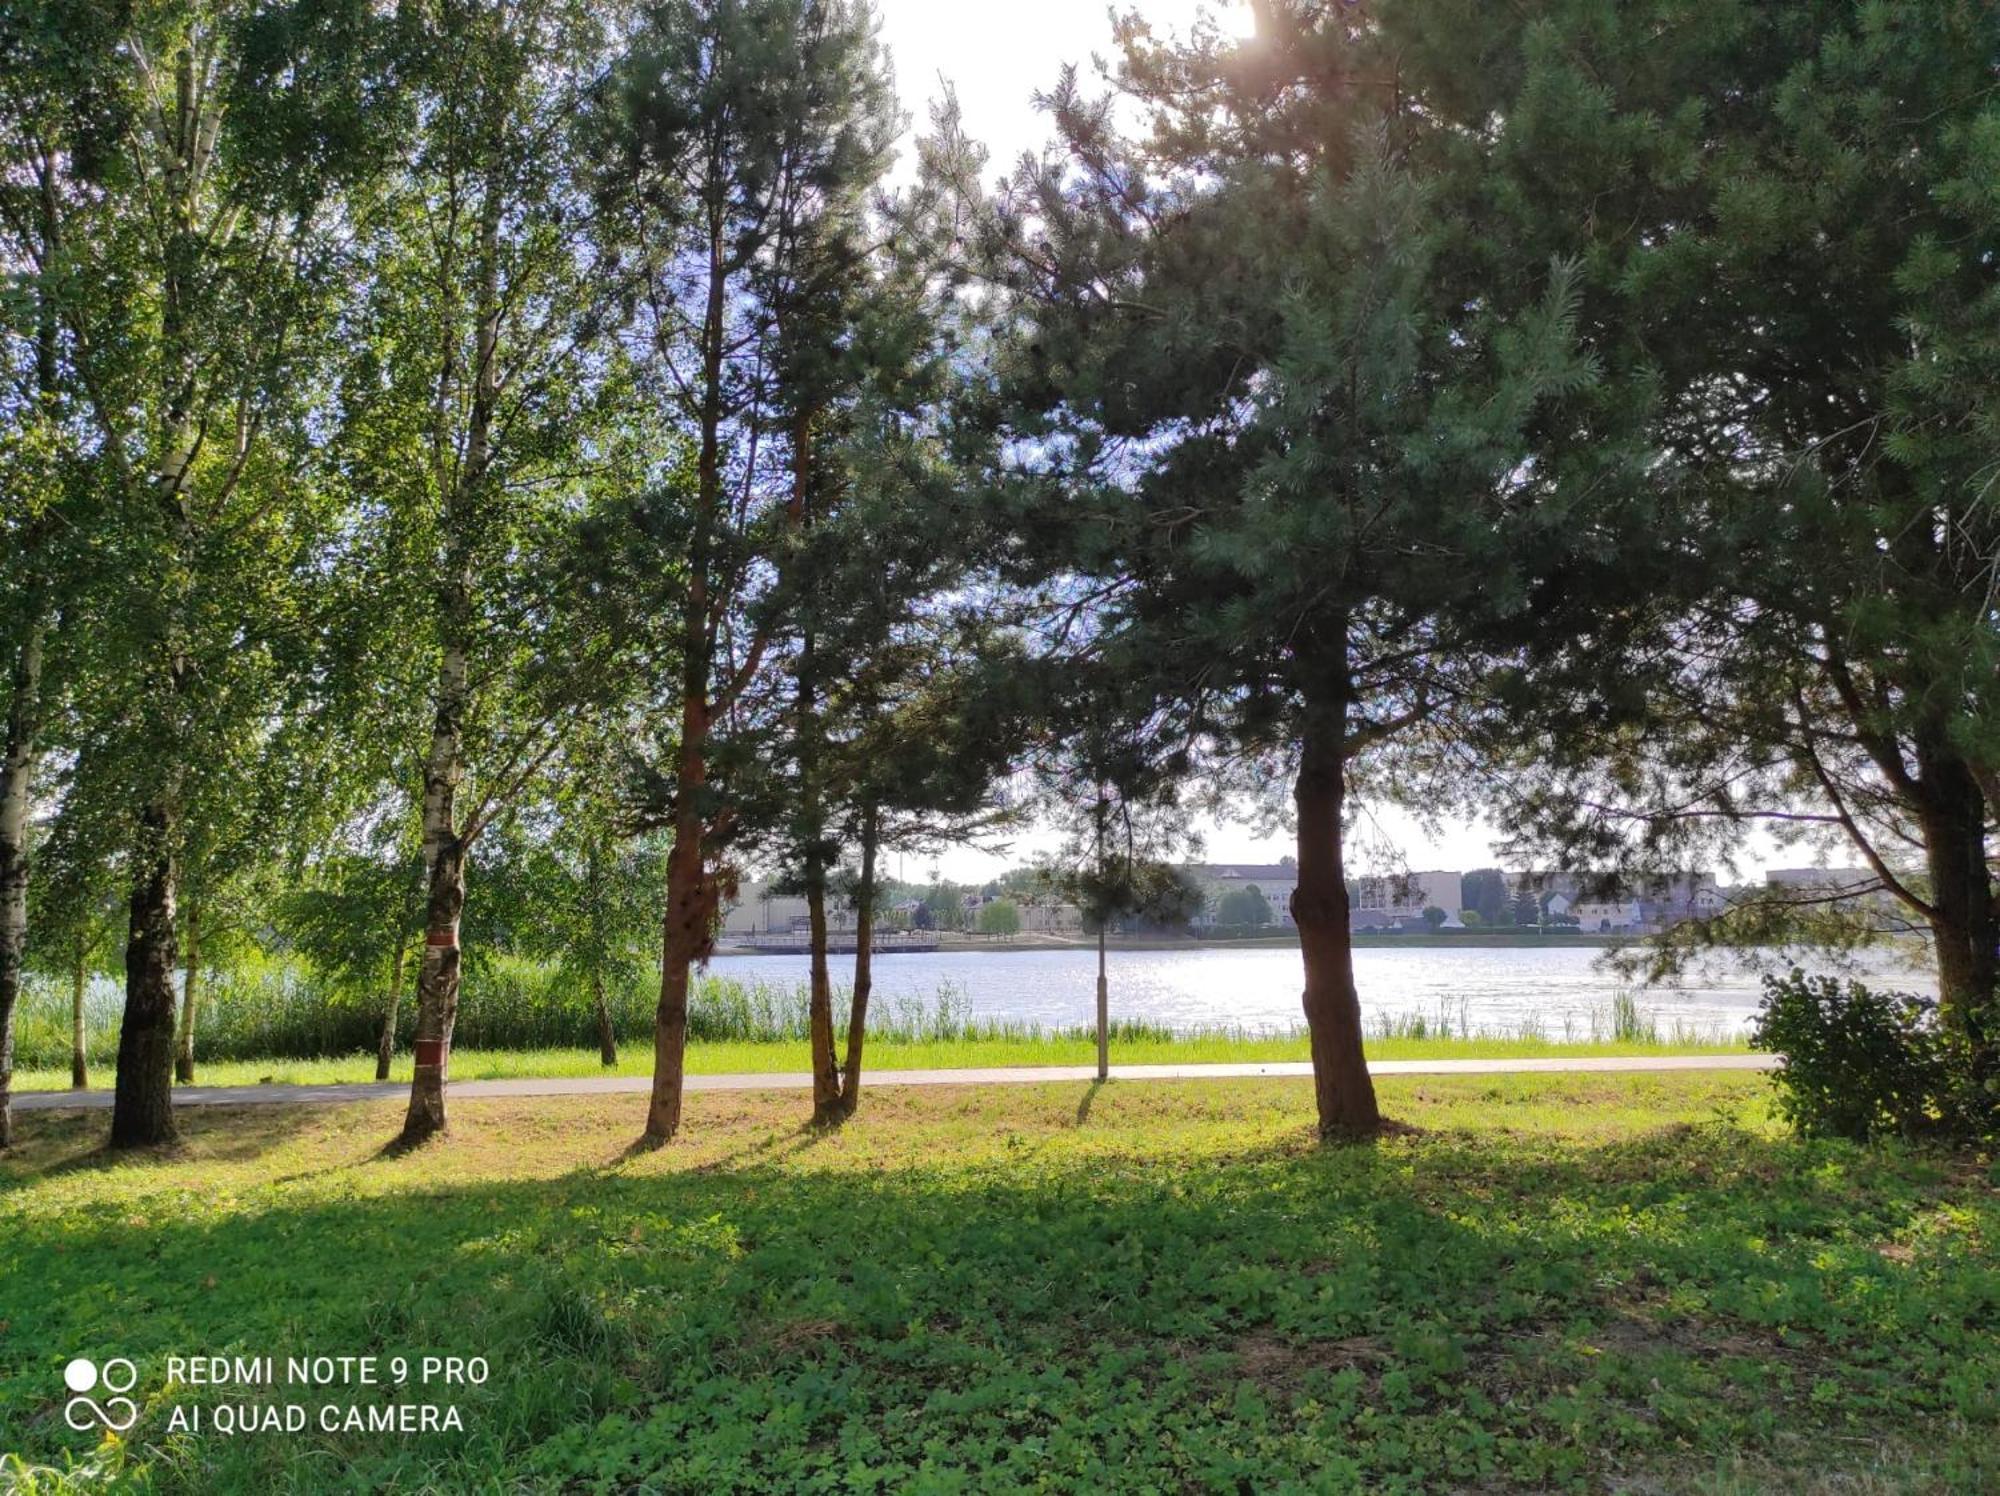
1857, 1063
1000, 918
1244, 906
1241, 932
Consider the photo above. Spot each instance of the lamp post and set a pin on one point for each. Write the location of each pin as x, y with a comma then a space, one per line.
1103, 985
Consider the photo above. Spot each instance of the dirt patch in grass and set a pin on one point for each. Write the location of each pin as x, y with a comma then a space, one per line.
1283, 1365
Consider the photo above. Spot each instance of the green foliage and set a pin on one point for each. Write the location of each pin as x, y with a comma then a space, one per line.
268, 1009
1630, 1023
921, 1042
1860, 1063
1485, 893
1283, 516
999, 917
737, 143
1610, 399
350, 913
1435, 917
1775, 209
1244, 906
1561, 1283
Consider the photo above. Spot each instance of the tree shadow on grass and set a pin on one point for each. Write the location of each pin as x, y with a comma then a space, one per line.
58, 1142
1589, 1307
773, 1148
1083, 1104
1585, 1309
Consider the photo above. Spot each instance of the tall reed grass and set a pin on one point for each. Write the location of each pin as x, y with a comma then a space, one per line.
1622, 1021
269, 1009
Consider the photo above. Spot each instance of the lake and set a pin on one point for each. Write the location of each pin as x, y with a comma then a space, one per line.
1561, 989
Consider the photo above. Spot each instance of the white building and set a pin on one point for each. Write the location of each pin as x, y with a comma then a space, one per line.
759, 911
1601, 916
1822, 882
1386, 902
1273, 880
1845, 889
1374, 903
1050, 919
1643, 906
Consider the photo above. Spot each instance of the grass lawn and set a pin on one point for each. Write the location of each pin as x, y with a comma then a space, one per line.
1572, 1282
772, 1058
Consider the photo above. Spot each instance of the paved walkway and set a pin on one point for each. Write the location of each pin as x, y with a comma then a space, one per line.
606, 1085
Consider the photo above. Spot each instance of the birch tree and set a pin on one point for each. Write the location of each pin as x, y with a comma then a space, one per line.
471, 425
54, 117
196, 273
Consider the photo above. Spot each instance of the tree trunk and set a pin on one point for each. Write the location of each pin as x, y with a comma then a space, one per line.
387, 1049
827, 1106
79, 1062
693, 893
1963, 926
683, 936
864, 964
444, 903
16, 772
819, 1007
686, 927
142, 1111
437, 994
445, 842
819, 1000
607, 1041
1341, 1086
1103, 1007
184, 1049
1103, 934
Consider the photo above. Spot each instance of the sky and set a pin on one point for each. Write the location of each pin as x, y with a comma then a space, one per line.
997, 56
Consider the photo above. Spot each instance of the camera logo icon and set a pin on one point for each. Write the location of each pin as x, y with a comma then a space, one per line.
83, 1376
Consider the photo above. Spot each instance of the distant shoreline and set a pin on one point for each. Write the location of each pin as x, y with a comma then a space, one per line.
953, 943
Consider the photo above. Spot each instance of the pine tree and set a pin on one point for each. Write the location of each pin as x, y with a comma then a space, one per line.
742, 135
1779, 208
1275, 423
889, 530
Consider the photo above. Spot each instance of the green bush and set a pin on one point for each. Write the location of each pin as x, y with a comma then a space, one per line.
1241, 932
1244, 906
1000, 918
1858, 1063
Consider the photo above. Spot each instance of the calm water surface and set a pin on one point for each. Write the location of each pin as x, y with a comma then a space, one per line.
1560, 989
